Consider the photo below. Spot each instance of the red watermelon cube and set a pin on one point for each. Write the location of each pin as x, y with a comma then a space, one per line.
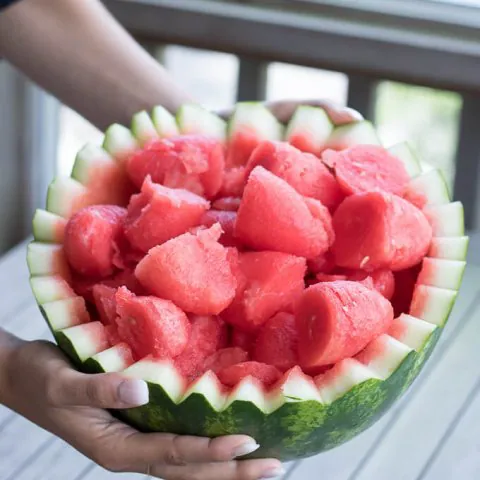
227, 220
104, 297
191, 162
277, 342
151, 325
324, 263
193, 271
90, 237
379, 230
207, 335
367, 168
230, 204
303, 171
274, 216
233, 182
160, 213
268, 282
266, 374
224, 358
382, 280
242, 339
336, 320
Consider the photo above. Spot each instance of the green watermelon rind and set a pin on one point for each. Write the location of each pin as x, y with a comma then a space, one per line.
143, 128
404, 152
432, 186
194, 119
119, 141
61, 195
164, 122
256, 117
312, 120
88, 156
299, 425
353, 133
47, 227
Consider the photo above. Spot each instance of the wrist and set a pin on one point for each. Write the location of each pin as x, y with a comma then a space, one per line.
9, 344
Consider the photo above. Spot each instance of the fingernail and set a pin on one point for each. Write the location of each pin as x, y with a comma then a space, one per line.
353, 113
245, 449
133, 392
274, 473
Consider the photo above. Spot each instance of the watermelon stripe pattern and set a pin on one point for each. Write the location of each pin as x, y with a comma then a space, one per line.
300, 417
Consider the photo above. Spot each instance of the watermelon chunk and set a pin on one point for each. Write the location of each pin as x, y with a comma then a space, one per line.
84, 286
90, 235
160, 213
151, 325
329, 277
336, 320
225, 357
228, 204
367, 168
303, 171
242, 339
267, 374
324, 263
267, 282
277, 342
274, 216
191, 270
126, 257
227, 221
233, 182
104, 297
207, 335
192, 162
112, 334
379, 230
382, 280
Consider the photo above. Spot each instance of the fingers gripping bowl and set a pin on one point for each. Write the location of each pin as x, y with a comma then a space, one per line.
283, 281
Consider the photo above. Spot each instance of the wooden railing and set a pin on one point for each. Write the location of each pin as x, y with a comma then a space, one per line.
420, 42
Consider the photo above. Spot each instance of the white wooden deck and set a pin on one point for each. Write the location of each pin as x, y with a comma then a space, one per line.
433, 433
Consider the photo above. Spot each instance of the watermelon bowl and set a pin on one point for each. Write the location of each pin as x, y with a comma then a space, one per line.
287, 282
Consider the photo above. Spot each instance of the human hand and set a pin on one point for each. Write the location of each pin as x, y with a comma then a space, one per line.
40, 385
284, 109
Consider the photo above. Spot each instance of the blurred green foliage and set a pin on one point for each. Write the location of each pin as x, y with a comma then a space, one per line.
427, 118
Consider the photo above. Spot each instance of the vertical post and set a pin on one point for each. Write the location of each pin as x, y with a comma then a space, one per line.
11, 136
28, 152
361, 95
467, 172
41, 122
252, 80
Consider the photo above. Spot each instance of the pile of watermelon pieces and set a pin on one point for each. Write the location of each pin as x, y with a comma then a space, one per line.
250, 261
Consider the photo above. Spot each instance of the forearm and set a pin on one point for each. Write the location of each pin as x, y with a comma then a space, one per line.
77, 50
8, 345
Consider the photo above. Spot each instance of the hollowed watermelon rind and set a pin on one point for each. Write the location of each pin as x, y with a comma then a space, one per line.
288, 427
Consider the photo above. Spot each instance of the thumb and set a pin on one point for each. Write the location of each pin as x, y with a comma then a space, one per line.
106, 390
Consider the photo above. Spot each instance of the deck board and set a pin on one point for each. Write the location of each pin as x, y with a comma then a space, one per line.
57, 461
19, 441
458, 455
98, 473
